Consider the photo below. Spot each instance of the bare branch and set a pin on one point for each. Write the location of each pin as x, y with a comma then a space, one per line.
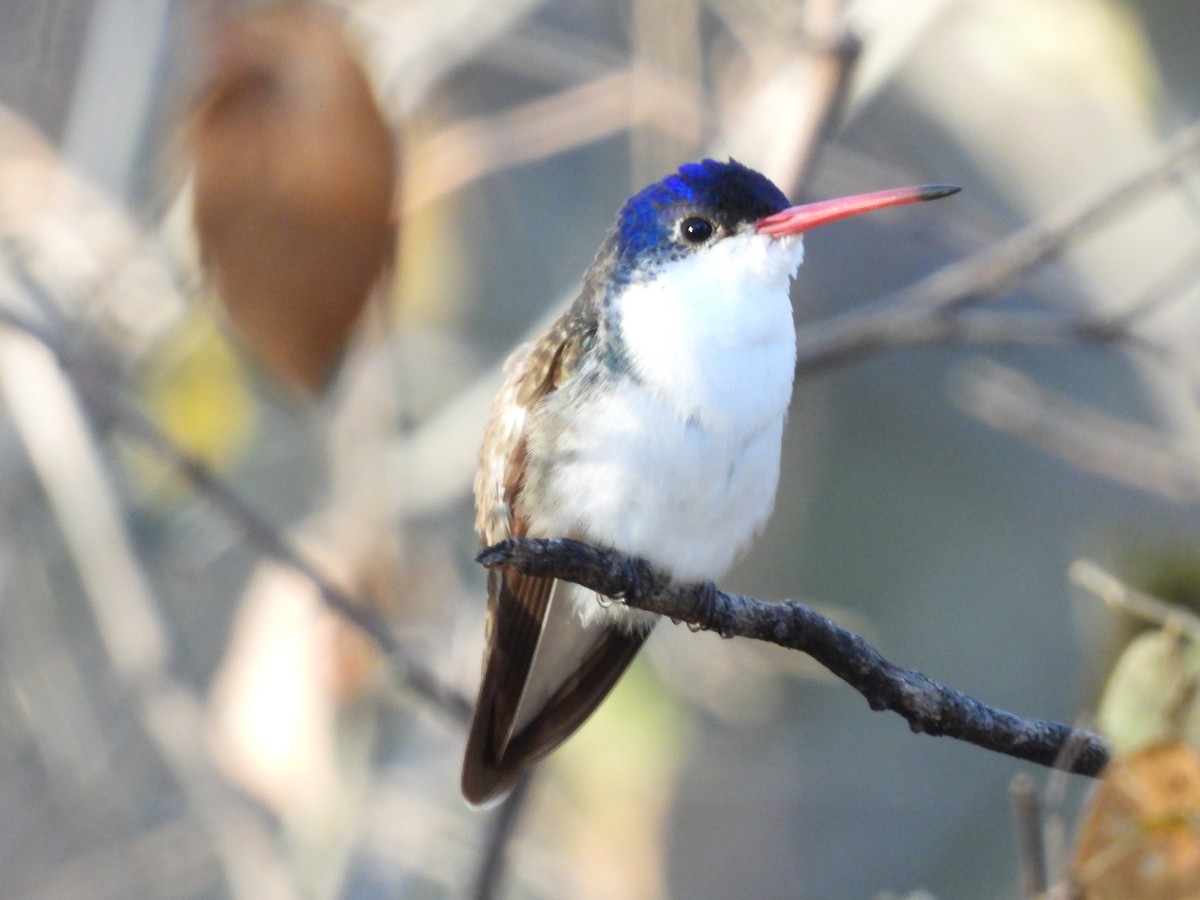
927, 706
1026, 328
1115, 593
54, 429
923, 307
499, 836
105, 400
473, 148
1123, 451
832, 51
1027, 816
989, 328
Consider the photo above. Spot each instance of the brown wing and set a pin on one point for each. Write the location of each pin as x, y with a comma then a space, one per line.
574, 702
519, 606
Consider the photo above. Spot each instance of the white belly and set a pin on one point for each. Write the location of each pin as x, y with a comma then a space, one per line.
635, 477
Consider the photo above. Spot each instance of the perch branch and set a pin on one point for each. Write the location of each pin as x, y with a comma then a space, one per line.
927, 706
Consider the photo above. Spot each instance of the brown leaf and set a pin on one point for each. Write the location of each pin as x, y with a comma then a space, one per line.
294, 181
1141, 836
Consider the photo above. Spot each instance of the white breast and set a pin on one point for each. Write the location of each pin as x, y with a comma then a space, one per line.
679, 464
714, 335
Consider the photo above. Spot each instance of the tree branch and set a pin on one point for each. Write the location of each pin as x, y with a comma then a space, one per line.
105, 400
1031, 849
490, 874
1122, 451
919, 312
927, 706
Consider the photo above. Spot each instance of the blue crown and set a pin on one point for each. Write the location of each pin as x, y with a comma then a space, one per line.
728, 193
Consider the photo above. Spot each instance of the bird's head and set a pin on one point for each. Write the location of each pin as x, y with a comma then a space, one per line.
705, 203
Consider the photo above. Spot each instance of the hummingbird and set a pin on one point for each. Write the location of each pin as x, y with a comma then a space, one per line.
647, 419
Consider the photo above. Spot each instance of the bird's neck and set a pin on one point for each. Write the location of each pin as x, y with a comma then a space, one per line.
713, 333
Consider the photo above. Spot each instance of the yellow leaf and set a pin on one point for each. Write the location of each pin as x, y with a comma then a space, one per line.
1151, 695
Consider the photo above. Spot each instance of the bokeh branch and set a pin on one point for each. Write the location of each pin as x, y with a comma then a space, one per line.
52, 423
933, 309
105, 400
1124, 452
927, 706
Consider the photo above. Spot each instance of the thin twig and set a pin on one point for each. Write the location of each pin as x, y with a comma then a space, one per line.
105, 400
1093, 441
806, 67
53, 425
495, 849
1031, 850
1116, 593
962, 327
927, 706
832, 51
988, 273
401, 658
1018, 328
576, 116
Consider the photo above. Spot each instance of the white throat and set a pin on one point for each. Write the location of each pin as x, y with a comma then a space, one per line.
713, 333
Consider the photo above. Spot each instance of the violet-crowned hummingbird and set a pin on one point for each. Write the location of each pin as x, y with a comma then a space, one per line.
648, 419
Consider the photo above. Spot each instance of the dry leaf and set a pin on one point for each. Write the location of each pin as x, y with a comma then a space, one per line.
1141, 836
294, 182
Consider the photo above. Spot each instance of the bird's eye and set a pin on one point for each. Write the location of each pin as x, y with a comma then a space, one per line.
695, 230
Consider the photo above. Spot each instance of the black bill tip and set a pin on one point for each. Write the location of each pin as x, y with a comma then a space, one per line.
937, 191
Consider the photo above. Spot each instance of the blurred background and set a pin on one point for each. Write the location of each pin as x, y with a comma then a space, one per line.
295, 242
